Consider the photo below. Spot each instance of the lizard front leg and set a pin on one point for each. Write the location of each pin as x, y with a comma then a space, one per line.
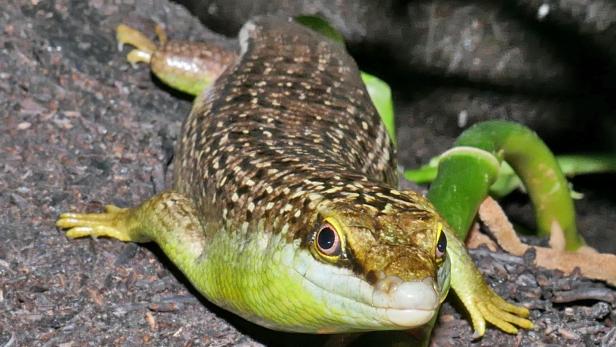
169, 219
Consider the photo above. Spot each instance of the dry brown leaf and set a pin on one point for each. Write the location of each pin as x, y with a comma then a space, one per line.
557, 237
476, 238
599, 266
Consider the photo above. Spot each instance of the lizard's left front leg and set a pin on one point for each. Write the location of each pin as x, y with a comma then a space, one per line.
481, 302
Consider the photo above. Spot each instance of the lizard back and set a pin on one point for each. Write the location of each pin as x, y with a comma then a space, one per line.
291, 111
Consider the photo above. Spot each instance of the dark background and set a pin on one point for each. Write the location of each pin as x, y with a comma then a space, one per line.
80, 128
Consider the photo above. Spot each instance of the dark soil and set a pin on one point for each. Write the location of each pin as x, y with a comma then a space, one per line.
80, 128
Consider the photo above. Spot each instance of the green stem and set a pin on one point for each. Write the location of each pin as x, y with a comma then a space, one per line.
531, 160
464, 177
507, 181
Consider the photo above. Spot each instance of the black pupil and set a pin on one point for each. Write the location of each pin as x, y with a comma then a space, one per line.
442, 243
326, 238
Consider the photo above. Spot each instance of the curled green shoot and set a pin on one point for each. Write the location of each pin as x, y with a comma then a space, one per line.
532, 161
508, 181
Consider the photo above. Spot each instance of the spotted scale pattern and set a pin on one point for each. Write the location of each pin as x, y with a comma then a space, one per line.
289, 125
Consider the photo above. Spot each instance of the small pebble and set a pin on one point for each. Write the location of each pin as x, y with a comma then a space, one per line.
24, 125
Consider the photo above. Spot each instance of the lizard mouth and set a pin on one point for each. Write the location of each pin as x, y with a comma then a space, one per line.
389, 304
406, 319
406, 303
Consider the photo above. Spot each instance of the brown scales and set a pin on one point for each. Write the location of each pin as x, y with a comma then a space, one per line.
289, 125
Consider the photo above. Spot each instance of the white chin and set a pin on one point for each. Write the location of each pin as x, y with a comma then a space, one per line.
409, 318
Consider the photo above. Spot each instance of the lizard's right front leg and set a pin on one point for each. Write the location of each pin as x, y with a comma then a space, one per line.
169, 219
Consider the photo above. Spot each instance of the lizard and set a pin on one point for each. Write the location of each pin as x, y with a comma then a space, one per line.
284, 207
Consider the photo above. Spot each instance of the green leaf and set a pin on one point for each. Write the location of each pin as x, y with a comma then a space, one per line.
321, 26
380, 94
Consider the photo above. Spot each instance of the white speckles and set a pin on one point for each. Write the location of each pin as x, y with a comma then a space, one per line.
333, 190
286, 159
285, 229
352, 195
224, 139
262, 164
359, 186
315, 197
244, 227
351, 187
296, 194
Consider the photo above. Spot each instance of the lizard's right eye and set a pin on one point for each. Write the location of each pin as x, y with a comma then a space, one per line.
327, 241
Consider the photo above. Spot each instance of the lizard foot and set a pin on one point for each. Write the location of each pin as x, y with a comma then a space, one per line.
111, 223
486, 305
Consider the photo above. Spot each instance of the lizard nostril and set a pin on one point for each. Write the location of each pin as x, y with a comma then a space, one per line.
388, 284
374, 276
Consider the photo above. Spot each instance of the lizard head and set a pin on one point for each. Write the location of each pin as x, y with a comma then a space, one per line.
381, 254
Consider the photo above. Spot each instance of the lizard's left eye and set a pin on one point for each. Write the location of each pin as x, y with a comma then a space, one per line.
328, 241
441, 245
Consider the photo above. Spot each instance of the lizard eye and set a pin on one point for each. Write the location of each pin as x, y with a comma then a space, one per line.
441, 245
328, 241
